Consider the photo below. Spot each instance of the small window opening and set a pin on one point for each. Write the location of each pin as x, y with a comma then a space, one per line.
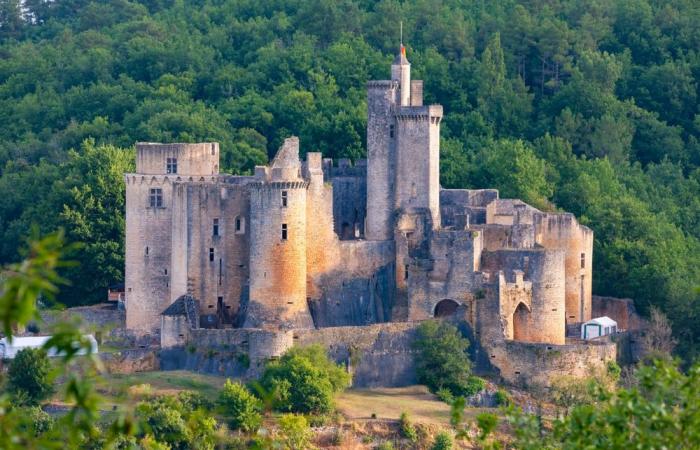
220, 271
284, 231
284, 199
155, 198
215, 230
211, 254
171, 165
583, 260
239, 225
405, 272
146, 250
165, 271
391, 131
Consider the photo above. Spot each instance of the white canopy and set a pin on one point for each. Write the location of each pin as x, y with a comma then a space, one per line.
599, 326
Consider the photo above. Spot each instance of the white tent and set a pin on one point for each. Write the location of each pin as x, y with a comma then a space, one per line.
8, 350
600, 326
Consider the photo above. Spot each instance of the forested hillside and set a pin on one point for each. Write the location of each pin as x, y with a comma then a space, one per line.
588, 106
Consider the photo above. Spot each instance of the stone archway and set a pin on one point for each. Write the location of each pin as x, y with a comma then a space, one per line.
521, 317
446, 308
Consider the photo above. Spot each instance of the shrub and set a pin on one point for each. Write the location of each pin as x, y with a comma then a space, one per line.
240, 406
474, 386
304, 380
386, 445
502, 398
295, 432
29, 376
442, 361
445, 395
443, 441
168, 422
193, 401
407, 429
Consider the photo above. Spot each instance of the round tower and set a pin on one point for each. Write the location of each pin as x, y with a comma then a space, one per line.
278, 245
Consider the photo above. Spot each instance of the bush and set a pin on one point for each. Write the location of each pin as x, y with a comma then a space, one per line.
304, 380
442, 361
29, 376
474, 386
240, 406
502, 398
295, 432
168, 422
386, 445
407, 429
445, 395
193, 401
443, 441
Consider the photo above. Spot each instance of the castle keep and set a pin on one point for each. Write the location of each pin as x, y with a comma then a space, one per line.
311, 244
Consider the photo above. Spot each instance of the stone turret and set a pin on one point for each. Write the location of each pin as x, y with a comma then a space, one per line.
401, 73
278, 244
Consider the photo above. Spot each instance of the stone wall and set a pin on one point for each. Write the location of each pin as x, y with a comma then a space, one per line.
538, 364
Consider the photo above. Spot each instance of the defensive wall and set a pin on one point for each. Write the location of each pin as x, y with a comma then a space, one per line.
379, 354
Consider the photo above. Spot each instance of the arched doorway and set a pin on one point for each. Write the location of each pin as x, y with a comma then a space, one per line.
521, 317
446, 308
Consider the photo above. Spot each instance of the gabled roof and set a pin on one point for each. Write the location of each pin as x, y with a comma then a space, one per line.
179, 306
604, 321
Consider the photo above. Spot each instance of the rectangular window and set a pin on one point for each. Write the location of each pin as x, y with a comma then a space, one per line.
215, 230
583, 260
211, 254
284, 199
221, 271
155, 199
171, 165
405, 272
284, 231
391, 131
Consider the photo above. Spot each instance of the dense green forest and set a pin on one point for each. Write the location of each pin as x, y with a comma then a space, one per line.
589, 106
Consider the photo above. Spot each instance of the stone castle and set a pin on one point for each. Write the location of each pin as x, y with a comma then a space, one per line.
312, 244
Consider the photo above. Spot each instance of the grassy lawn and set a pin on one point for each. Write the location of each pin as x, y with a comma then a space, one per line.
121, 390
389, 403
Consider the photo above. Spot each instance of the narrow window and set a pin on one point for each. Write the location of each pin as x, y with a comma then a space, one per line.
165, 271
284, 231
220, 271
155, 199
391, 131
284, 199
583, 260
405, 272
239, 225
211, 254
146, 250
215, 230
171, 165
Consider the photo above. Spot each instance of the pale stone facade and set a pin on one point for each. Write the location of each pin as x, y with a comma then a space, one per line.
309, 244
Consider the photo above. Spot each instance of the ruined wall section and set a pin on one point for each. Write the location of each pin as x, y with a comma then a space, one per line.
527, 364
452, 274
148, 251
545, 270
349, 197
563, 232
461, 208
381, 158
